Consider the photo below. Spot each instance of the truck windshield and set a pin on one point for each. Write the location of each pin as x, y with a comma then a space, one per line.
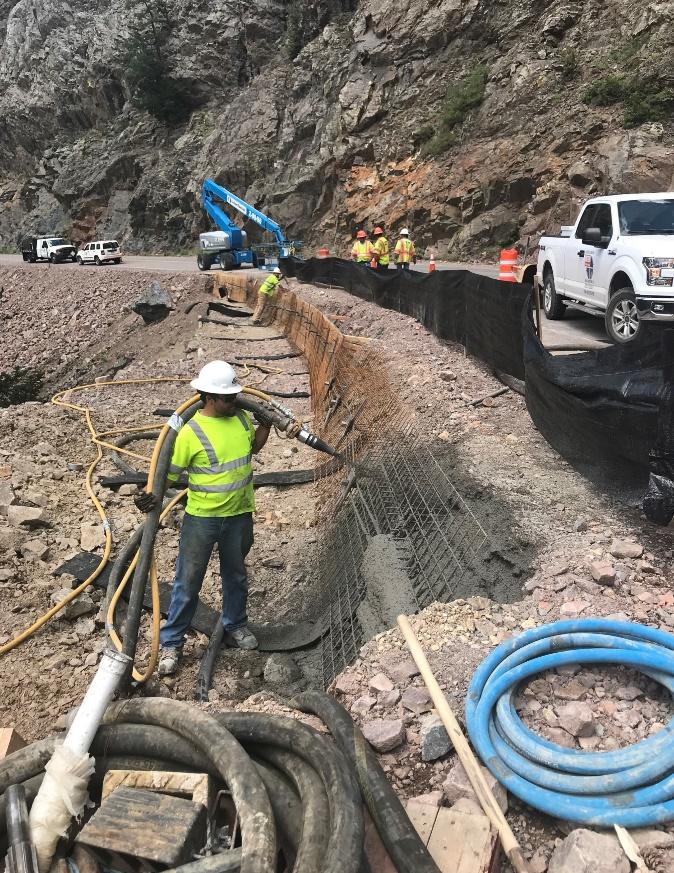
57, 242
646, 217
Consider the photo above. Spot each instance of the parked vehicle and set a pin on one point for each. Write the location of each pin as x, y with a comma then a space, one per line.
616, 261
50, 248
100, 252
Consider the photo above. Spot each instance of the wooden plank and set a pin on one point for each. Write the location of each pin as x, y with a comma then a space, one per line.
463, 843
197, 787
375, 851
10, 741
155, 828
422, 816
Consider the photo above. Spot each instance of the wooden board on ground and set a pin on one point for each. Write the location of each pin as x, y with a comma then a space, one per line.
198, 787
134, 825
458, 842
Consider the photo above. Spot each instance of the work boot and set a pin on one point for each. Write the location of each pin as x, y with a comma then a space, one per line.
168, 661
241, 638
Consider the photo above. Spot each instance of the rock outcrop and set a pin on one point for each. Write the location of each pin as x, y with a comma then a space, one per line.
336, 134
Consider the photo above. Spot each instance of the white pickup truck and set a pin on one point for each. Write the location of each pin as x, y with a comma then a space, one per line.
617, 261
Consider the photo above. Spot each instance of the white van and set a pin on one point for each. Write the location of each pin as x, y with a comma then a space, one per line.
102, 251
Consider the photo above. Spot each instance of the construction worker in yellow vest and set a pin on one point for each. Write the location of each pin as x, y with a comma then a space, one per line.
381, 251
363, 250
404, 250
214, 450
265, 293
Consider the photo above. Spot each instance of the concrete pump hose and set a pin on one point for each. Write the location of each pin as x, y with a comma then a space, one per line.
164, 734
234, 766
407, 851
632, 787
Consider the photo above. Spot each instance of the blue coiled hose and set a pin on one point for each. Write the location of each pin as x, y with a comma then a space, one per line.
632, 787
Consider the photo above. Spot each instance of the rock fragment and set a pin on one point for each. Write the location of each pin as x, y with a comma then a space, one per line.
577, 719
603, 572
457, 785
383, 734
380, 682
625, 549
281, 669
417, 700
435, 742
26, 516
585, 851
154, 304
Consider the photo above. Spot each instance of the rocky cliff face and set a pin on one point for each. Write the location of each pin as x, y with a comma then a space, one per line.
336, 135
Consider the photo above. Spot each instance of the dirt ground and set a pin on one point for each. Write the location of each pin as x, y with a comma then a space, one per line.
525, 496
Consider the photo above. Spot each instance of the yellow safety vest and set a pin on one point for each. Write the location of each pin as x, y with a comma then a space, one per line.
362, 251
381, 248
404, 250
216, 455
268, 287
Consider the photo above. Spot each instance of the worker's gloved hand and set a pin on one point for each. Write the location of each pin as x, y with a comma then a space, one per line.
262, 420
293, 429
146, 502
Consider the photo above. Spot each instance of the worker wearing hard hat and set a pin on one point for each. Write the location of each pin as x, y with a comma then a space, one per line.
214, 448
381, 250
362, 251
404, 250
265, 293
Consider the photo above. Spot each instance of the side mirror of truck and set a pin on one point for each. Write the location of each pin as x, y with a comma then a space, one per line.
592, 236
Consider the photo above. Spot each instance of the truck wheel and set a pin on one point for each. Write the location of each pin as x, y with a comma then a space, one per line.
622, 317
80, 262
52, 259
97, 261
203, 262
553, 304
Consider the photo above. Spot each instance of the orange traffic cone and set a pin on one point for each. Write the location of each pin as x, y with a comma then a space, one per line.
323, 252
507, 264
431, 265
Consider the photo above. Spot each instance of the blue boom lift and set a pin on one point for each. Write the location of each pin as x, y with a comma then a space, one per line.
229, 244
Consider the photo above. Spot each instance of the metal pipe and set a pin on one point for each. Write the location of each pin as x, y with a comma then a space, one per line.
21, 856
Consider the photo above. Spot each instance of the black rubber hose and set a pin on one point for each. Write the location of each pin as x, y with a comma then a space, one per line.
150, 528
207, 665
214, 740
343, 852
314, 815
119, 459
287, 813
225, 862
397, 833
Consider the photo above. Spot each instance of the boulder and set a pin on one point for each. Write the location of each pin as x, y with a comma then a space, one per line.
92, 536
34, 550
624, 549
281, 669
380, 682
435, 741
26, 516
154, 304
383, 734
82, 605
457, 785
6, 496
585, 851
577, 719
417, 700
362, 705
603, 572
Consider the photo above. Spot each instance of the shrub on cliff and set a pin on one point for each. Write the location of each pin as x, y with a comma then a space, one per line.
149, 64
462, 96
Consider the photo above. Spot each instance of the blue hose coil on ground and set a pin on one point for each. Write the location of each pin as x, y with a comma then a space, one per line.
633, 787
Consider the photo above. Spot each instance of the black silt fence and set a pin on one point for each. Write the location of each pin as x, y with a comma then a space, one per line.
610, 411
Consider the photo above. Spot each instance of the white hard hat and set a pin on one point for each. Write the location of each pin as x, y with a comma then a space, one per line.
277, 271
217, 377
404, 232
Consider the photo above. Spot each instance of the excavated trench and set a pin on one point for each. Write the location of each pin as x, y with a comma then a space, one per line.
407, 524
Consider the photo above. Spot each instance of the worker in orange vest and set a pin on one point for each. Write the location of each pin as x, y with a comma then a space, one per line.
363, 250
404, 250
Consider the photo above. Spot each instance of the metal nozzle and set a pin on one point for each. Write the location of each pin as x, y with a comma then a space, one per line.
21, 857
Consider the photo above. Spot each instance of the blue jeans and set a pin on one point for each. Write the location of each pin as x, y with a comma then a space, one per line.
234, 537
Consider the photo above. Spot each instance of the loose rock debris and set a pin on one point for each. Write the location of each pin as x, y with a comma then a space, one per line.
590, 553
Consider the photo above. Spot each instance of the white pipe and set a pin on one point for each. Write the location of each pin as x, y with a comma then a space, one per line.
63, 793
98, 695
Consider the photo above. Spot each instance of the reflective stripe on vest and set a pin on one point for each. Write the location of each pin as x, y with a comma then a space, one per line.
404, 250
222, 489
362, 250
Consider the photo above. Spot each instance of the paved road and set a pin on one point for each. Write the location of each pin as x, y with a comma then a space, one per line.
575, 329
